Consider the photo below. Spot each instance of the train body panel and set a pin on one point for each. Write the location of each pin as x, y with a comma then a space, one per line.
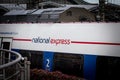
88, 50
80, 38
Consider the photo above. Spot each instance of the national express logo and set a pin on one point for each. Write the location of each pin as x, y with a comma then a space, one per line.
50, 40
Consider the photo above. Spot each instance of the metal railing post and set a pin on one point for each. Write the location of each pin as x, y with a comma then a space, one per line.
22, 74
28, 70
25, 68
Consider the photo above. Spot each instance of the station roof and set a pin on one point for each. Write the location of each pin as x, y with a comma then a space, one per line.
14, 6
48, 10
19, 12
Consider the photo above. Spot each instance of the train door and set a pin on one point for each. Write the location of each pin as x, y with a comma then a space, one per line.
5, 43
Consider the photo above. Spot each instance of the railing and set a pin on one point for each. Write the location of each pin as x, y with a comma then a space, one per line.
13, 66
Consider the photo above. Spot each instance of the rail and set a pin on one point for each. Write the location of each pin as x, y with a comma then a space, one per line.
12, 67
13, 62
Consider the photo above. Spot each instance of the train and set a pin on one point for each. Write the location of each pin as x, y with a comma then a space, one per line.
88, 50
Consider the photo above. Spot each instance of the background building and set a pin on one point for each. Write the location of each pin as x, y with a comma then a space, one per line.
65, 14
35, 8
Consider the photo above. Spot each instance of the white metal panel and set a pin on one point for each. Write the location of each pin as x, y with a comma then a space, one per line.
84, 38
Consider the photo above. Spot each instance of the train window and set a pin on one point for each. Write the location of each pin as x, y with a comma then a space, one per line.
35, 57
108, 68
73, 63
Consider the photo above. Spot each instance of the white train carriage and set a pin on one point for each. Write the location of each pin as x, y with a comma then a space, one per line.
97, 45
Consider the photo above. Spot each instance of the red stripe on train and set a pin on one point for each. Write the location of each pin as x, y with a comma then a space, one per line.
22, 39
100, 43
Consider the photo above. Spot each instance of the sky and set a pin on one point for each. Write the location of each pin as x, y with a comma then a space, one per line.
97, 1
